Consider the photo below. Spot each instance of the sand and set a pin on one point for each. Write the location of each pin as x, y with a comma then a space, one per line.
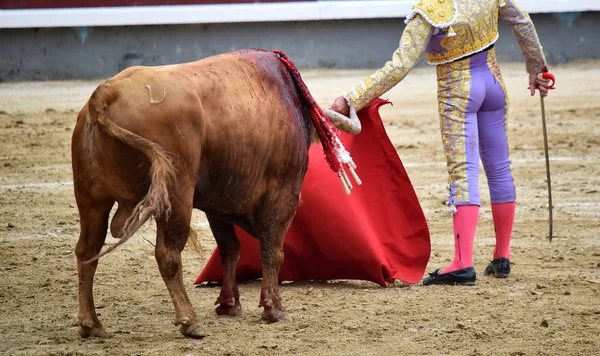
550, 305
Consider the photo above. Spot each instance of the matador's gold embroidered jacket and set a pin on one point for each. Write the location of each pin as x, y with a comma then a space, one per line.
469, 27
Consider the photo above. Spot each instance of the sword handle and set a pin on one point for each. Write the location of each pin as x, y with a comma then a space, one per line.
550, 76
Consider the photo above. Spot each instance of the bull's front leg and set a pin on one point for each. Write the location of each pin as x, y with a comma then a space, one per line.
271, 223
228, 302
270, 298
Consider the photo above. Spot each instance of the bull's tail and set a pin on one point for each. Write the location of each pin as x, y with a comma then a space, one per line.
162, 171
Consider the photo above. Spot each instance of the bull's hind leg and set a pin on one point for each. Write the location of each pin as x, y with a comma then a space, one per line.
172, 235
274, 219
228, 302
94, 224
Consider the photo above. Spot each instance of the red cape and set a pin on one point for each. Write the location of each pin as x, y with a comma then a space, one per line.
377, 233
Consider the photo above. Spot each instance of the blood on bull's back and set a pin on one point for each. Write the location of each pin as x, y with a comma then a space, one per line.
255, 127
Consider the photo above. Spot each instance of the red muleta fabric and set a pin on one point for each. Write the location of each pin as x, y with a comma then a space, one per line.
378, 233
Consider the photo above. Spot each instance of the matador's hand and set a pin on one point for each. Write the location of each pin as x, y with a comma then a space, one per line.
538, 83
340, 105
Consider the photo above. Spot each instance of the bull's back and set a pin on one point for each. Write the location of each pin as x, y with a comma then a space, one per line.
247, 86
234, 121
151, 103
246, 97
256, 135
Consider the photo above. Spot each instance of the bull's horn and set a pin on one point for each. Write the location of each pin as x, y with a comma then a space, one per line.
350, 124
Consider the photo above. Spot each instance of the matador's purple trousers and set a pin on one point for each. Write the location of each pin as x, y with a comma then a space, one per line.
473, 109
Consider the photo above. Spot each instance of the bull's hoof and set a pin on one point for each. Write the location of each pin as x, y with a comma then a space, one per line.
272, 315
193, 331
86, 331
229, 310
89, 326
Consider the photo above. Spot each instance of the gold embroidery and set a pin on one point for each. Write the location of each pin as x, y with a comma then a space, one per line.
527, 38
473, 29
412, 45
454, 90
436, 12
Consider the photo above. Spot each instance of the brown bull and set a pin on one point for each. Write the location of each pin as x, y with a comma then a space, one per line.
228, 135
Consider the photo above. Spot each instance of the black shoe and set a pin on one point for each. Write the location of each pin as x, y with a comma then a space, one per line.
499, 268
462, 277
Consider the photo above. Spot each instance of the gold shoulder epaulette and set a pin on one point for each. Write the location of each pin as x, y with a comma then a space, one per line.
439, 13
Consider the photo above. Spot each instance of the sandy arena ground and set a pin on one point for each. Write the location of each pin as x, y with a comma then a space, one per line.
549, 306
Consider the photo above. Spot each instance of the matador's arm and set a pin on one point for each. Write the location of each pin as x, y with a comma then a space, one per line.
413, 43
527, 38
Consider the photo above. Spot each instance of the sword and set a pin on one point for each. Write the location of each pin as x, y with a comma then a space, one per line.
550, 76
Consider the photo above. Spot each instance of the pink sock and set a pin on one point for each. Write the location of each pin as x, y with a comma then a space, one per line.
465, 223
504, 217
